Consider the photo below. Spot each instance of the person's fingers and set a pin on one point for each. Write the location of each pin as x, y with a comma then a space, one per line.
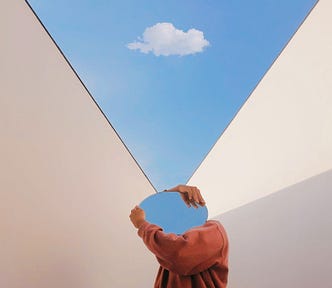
133, 212
195, 194
190, 194
185, 199
193, 203
201, 200
136, 208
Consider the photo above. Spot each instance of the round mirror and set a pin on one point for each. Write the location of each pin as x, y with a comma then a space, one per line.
168, 210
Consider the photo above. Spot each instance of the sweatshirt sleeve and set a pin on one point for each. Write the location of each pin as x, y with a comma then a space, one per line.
194, 251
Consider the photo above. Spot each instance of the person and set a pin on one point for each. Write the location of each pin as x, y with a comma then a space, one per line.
197, 258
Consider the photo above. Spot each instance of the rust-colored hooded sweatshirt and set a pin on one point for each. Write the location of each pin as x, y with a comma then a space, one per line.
198, 258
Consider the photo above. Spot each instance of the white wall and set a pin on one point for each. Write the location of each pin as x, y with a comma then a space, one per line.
282, 134
67, 182
268, 178
284, 239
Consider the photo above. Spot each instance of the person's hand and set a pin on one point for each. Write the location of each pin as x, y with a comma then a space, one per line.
190, 195
137, 216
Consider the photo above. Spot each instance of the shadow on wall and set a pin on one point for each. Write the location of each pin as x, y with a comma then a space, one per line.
283, 240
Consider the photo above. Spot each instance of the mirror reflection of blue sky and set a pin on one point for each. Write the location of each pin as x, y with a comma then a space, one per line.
170, 102
168, 210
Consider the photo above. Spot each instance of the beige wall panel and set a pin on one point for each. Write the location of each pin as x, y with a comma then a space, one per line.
284, 239
67, 182
283, 133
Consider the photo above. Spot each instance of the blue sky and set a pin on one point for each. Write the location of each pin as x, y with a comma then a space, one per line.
170, 110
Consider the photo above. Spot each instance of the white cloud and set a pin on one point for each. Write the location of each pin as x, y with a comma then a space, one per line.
164, 39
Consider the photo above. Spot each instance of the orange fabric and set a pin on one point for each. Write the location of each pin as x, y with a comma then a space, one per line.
198, 258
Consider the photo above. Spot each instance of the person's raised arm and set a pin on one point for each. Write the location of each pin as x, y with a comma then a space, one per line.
194, 251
